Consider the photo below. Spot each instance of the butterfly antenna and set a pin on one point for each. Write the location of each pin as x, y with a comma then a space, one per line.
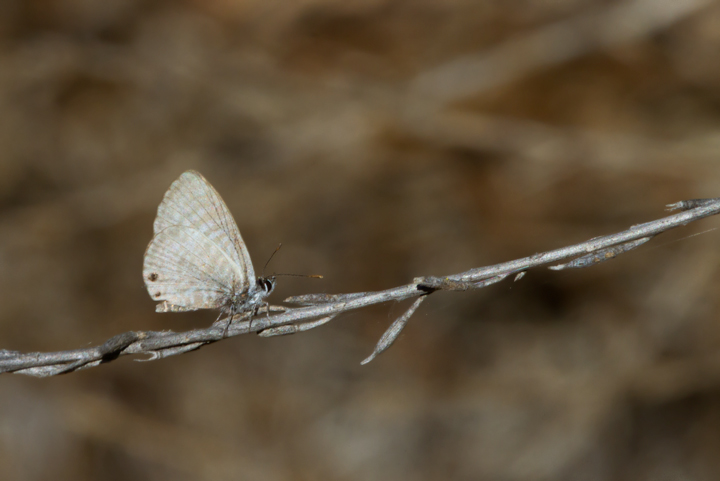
271, 256
314, 276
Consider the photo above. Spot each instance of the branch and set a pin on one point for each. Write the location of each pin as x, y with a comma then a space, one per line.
318, 309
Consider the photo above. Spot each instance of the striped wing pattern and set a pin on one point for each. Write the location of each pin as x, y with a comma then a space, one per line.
187, 270
197, 259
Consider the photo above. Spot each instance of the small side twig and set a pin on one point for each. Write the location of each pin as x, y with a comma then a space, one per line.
393, 331
601, 256
318, 309
295, 328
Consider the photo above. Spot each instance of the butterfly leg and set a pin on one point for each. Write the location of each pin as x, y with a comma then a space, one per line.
227, 324
255, 311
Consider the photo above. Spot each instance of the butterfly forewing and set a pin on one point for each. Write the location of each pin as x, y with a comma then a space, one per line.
191, 201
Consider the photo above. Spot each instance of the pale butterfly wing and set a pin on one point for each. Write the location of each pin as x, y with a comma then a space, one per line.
189, 271
191, 201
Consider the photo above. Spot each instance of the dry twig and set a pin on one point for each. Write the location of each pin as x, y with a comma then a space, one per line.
318, 309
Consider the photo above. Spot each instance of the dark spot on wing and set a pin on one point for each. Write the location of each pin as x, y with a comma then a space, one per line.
153, 277
157, 294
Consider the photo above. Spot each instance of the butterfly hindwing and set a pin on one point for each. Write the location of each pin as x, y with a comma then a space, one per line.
189, 271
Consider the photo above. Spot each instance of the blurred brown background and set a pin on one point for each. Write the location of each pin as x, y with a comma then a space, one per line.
378, 140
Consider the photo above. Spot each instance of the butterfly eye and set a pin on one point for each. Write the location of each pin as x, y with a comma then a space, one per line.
266, 284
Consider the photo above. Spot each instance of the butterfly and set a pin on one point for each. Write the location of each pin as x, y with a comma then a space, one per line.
197, 258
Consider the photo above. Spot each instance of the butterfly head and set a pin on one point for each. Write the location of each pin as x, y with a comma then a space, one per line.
266, 285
